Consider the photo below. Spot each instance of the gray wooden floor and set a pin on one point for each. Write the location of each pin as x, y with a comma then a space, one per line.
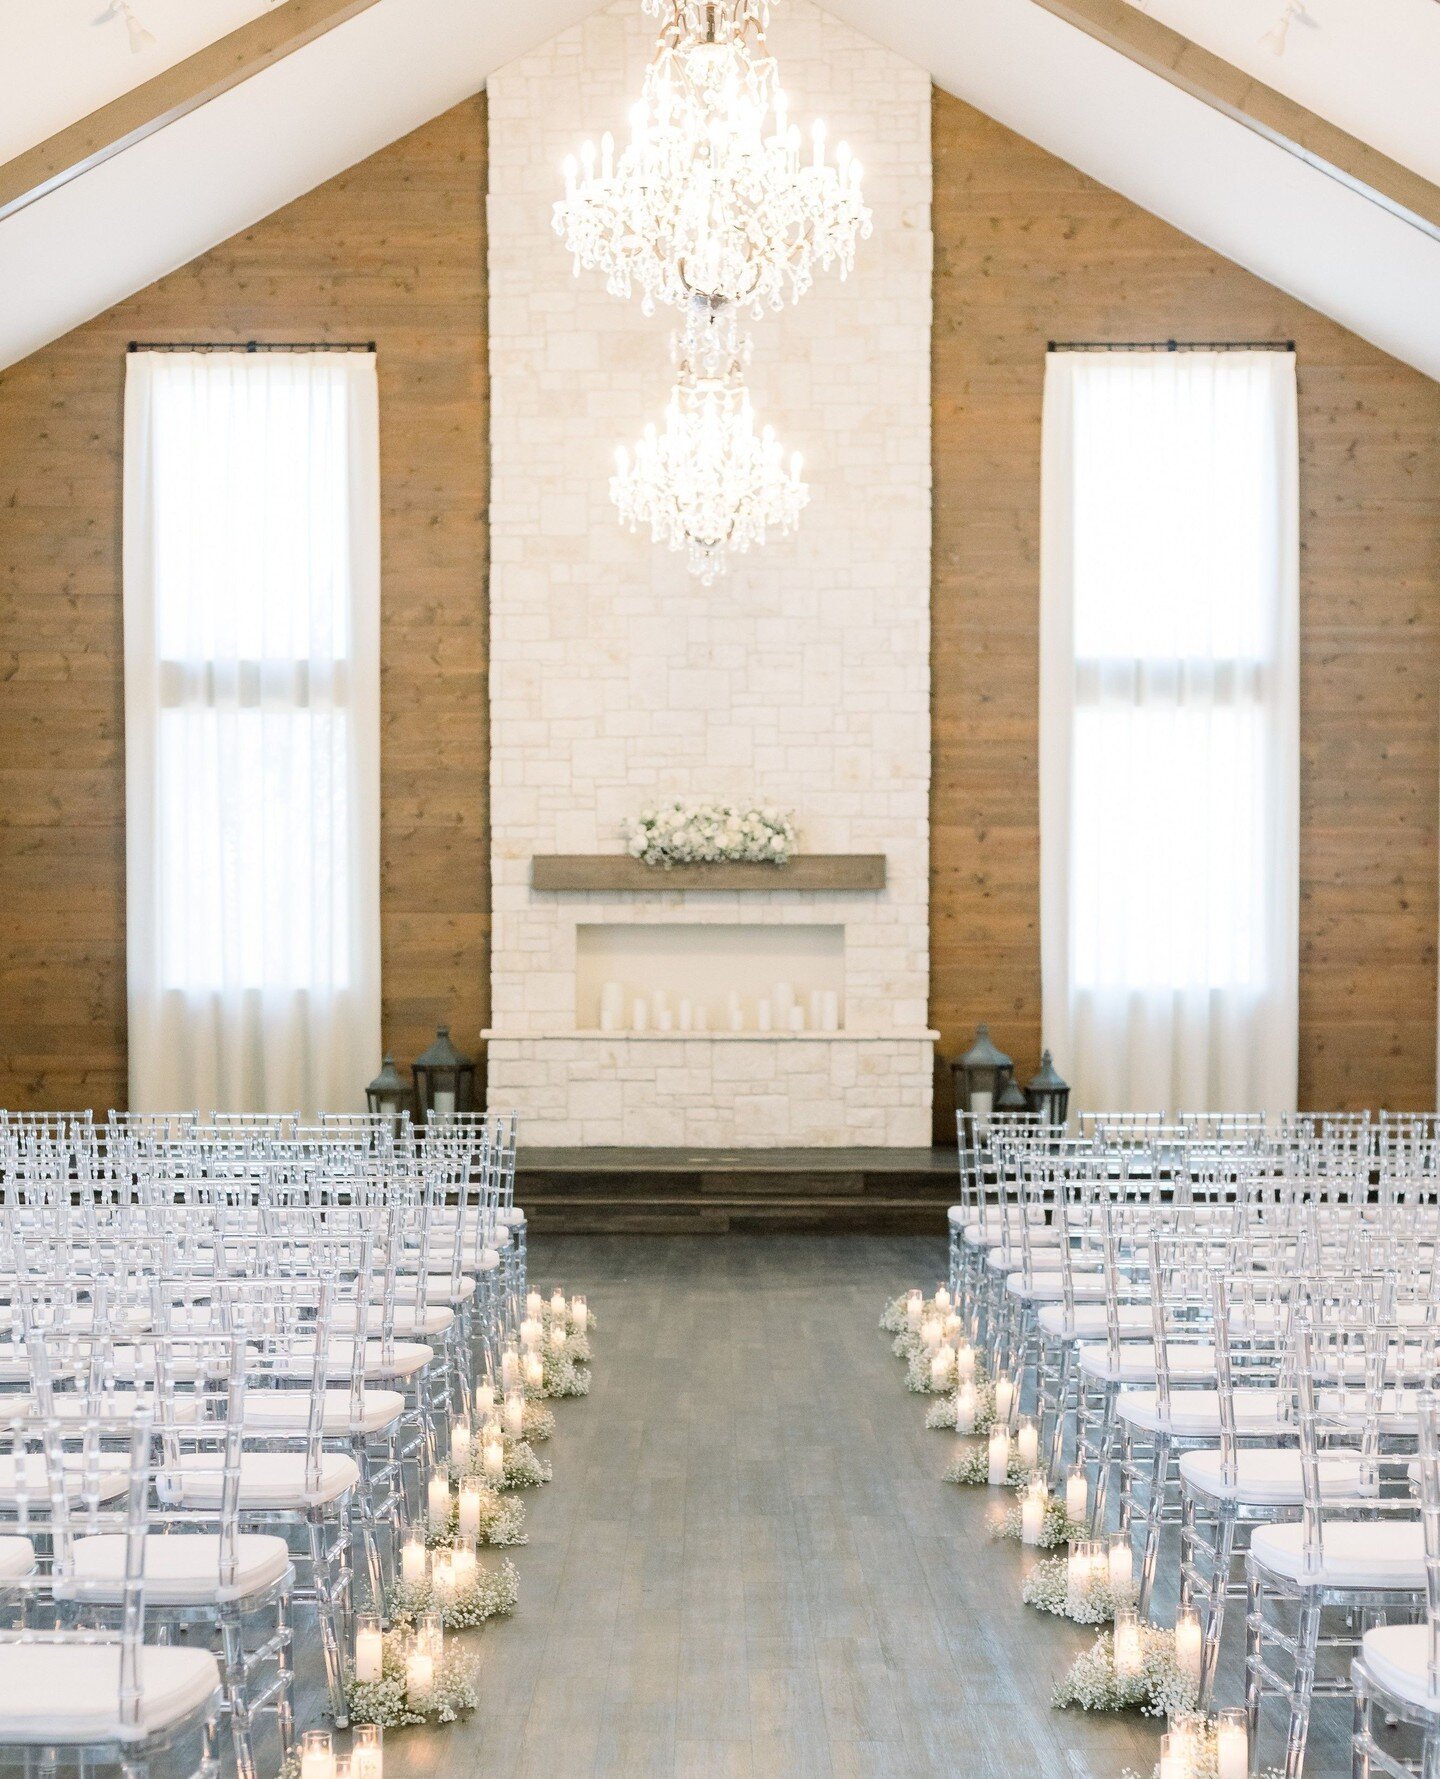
747, 1563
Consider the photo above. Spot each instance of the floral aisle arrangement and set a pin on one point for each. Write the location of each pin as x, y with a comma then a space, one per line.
490, 1518
1202, 1747
1132, 1668
1080, 1591
972, 1469
1039, 1518
699, 832
422, 1678
463, 1592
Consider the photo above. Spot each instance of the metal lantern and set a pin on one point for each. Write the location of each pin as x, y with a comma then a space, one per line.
980, 1077
1011, 1097
444, 1080
390, 1094
1047, 1094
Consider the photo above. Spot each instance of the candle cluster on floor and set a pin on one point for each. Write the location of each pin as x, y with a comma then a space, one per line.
412, 1666
1133, 1665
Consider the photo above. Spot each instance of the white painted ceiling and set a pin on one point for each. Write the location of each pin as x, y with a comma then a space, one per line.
1370, 66
170, 197
62, 59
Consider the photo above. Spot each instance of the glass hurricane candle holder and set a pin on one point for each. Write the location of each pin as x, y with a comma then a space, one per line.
317, 1755
369, 1648
367, 1753
1129, 1650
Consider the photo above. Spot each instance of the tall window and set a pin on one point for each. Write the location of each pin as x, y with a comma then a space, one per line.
252, 729
1169, 728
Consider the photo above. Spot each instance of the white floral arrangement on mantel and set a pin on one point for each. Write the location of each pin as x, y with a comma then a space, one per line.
704, 833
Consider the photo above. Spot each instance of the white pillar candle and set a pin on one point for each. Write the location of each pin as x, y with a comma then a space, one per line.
1077, 1572
942, 1299
558, 1337
931, 1335
464, 1565
734, 1012
639, 1017
369, 1649
965, 1362
317, 1755
830, 1011
494, 1459
509, 1368
817, 1009
762, 1014
914, 1310
1077, 1493
612, 1006
484, 1401
1027, 1443
442, 1578
942, 1365
1004, 1400
702, 1019
1129, 1652
557, 1304
419, 1677
532, 1332
368, 1753
783, 999
460, 1442
534, 1305
413, 1562
534, 1371
579, 1314
444, 1103
687, 1014
1187, 1643
437, 1503
514, 1414
965, 1408
1032, 1514
1232, 1746
999, 1454
470, 1510
796, 1020
951, 1329
1120, 1564
664, 1020
1172, 1761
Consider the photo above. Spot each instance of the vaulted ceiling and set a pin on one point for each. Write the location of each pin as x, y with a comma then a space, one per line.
219, 166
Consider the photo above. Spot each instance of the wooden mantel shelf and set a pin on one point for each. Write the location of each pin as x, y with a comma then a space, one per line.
847, 871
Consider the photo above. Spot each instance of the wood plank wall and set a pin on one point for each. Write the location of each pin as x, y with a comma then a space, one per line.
1029, 250
392, 251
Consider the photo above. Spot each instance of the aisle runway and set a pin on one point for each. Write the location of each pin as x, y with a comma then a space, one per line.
747, 1567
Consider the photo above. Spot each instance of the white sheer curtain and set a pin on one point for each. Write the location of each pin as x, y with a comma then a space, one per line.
252, 598
1169, 729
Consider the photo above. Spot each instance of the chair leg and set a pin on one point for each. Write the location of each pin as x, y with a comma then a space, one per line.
233, 1679
1254, 1679
1307, 1644
1223, 1560
1154, 1511
284, 1680
327, 1611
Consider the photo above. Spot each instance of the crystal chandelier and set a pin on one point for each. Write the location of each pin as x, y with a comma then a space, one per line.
713, 203
708, 483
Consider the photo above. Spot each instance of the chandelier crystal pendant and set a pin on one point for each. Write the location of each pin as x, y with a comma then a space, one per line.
714, 202
708, 482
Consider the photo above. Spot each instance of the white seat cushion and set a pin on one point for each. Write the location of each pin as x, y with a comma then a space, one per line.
955, 1216
33, 1481
1266, 1476
1135, 1320
404, 1359
17, 1558
273, 1481
1196, 1413
1049, 1287
438, 1288
1135, 1362
412, 1321
512, 1215
1353, 1553
290, 1409
181, 1568
70, 1692
1398, 1657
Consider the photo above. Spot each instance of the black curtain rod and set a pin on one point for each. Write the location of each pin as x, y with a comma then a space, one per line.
1171, 346
251, 346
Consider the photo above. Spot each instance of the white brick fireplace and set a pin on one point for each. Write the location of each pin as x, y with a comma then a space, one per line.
802, 679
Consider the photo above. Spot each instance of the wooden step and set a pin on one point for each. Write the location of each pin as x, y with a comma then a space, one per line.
715, 1192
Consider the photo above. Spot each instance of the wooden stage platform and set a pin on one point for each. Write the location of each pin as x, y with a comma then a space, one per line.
720, 1191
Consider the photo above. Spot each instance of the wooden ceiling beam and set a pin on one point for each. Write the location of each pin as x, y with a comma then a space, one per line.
170, 95
1228, 89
